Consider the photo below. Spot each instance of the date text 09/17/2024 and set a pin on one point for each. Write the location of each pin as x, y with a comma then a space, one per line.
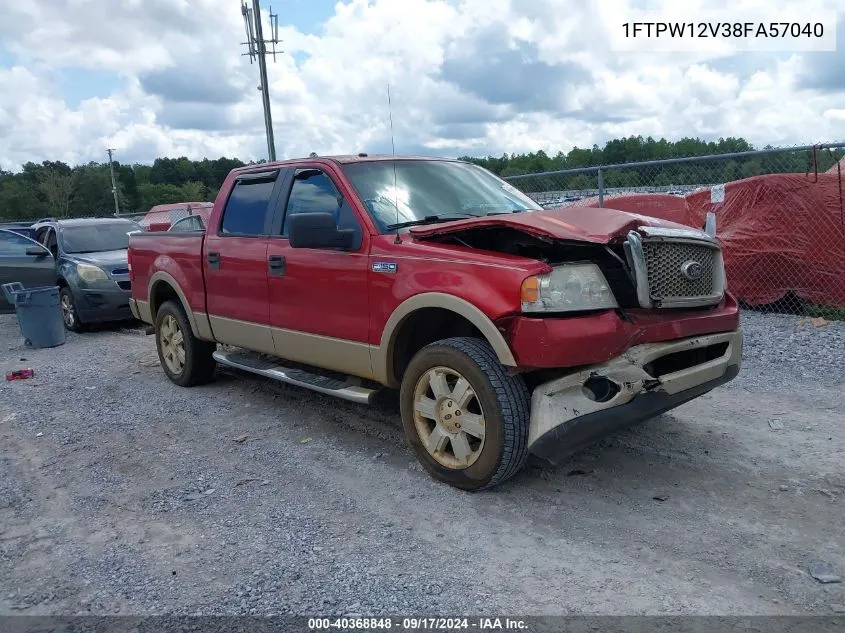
417, 624
724, 30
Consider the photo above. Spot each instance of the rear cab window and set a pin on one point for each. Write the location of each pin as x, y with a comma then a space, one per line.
247, 209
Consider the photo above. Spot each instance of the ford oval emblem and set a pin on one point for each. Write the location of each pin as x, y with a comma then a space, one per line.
692, 270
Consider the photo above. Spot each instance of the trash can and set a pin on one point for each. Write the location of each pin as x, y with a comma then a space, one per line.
39, 314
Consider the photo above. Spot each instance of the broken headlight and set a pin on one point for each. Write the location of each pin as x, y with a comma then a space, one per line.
568, 288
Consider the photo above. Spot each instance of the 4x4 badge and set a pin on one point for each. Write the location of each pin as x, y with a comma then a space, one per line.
384, 267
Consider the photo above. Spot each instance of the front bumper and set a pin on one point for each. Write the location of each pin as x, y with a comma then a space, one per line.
644, 382
98, 305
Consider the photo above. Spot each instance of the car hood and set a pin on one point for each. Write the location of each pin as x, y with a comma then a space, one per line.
585, 224
104, 259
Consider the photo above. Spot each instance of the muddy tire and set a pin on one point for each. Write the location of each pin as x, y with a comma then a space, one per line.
465, 418
186, 360
69, 315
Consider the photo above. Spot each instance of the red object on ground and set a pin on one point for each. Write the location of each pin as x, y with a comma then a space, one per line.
20, 374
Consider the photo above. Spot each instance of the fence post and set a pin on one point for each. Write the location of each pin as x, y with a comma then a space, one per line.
601, 187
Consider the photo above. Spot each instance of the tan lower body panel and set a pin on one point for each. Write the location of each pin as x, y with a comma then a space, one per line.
333, 354
141, 310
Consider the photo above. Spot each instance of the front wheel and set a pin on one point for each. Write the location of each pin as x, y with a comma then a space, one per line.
186, 360
69, 314
465, 418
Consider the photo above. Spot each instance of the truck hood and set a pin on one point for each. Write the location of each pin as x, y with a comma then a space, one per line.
585, 224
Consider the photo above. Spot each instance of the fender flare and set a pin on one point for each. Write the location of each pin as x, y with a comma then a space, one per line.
383, 355
168, 279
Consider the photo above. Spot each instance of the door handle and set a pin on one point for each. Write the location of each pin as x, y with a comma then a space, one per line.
213, 260
276, 265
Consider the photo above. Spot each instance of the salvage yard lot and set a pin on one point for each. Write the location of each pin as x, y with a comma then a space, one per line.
123, 493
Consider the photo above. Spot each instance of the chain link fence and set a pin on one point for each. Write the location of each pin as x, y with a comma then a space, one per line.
780, 215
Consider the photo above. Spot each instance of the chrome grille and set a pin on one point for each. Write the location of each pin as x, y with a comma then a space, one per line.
675, 268
665, 262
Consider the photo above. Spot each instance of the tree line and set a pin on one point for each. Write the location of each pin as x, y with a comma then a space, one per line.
636, 149
53, 188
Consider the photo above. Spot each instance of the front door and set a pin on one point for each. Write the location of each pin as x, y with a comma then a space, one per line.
319, 297
16, 265
235, 263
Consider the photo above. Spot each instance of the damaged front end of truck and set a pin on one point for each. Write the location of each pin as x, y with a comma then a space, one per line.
670, 333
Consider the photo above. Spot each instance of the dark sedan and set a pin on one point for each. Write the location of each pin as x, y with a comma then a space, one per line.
92, 267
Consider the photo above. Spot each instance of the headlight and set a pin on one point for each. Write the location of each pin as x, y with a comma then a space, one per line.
90, 273
568, 288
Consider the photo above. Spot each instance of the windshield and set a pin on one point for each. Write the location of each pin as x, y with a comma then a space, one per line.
97, 238
426, 188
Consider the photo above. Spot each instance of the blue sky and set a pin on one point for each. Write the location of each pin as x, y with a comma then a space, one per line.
76, 84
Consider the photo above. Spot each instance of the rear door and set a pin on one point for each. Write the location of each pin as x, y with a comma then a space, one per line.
17, 266
235, 263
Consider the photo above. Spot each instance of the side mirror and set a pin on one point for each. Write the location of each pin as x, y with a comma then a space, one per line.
318, 230
37, 251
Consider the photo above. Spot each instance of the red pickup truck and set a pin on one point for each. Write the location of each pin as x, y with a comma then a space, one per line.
506, 328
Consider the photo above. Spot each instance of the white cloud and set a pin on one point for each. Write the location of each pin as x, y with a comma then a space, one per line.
467, 76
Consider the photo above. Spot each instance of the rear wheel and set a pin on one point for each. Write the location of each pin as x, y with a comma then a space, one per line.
465, 417
186, 360
69, 314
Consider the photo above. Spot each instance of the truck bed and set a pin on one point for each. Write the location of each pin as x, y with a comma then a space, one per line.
177, 254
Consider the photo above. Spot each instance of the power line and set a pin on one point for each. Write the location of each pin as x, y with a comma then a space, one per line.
257, 50
113, 183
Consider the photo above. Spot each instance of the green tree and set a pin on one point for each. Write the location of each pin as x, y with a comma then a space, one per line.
151, 195
194, 191
57, 187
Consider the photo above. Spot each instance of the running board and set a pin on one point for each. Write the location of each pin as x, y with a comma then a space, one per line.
330, 383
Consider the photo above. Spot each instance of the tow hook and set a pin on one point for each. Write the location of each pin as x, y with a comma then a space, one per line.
600, 388
651, 385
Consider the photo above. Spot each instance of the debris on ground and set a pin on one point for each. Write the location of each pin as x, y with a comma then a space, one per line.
305, 440
20, 374
241, 439
815, 322
579, 472
823, 572
248, 480
660, 497
776, 425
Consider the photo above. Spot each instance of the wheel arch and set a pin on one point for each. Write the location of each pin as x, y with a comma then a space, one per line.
163, 287
388, 357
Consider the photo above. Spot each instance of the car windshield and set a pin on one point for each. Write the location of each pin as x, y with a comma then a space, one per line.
97, 238
424, 189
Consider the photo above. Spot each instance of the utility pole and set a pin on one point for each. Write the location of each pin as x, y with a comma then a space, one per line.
257, 50
113, 183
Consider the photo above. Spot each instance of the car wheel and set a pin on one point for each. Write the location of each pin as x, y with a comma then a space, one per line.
69, 314
465, 417
186, 360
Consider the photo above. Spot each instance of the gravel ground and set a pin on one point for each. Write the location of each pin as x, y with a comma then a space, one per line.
122, 493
